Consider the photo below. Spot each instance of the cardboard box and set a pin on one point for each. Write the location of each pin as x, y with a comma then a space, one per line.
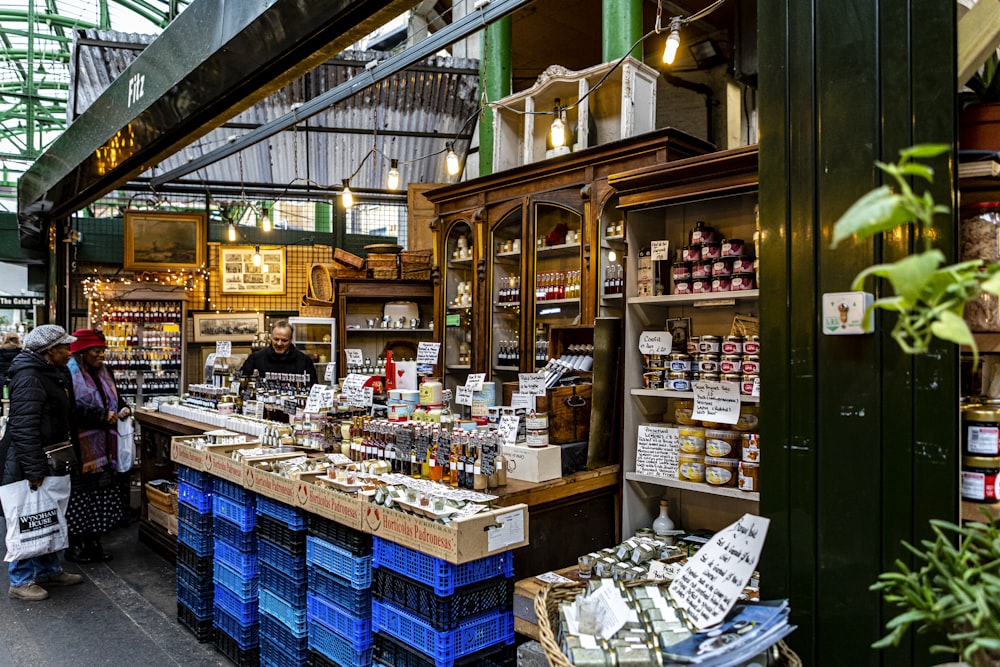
461, 541
166, 502
183, 453
219, 461
161, 518
344, 508
533, 464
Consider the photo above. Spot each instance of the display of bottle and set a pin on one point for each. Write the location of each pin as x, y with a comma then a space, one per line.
663, 525
434, 470
500, 468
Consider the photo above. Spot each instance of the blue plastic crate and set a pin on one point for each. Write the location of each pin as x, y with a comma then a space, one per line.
199, 540
287, 588
237, 513
232, 491
198, 582
197, 498
188, 514
271, 655
358, 543
443, 612
442, 576
196, 478
274, 555
357, 570
246, 612
444, 647
199, 602
354, 629
245, 635
245, 563
244, 540
241, 657
390, 652
338, 591
330, 645
292, 616
244, 587
280, 633
277, 532
292, 517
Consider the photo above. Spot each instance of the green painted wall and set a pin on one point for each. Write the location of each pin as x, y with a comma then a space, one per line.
495, 77
622, 27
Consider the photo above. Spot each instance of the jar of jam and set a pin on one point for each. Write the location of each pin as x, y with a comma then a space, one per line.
691, 253
701, 286
709, 344
679, 362
678, 381
980, 477
707, 363
722, 267
730, 363
735, 378
682, 286
721, 283
681, 270
981, 428
732, 247
702, 233
732, 345
711, 250
701, 269
751, 345
747, 384
693, 343
741, 282
749, 476
751, 364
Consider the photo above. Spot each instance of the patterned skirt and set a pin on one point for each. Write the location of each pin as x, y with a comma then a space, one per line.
97, 509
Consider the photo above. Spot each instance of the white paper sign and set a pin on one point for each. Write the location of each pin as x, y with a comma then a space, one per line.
354, 389
553, 578
660, 571
427, 352
756, 387
655, 342
320, 398
508, 428
463, 395
509, 529
475, 382
712, 580
659, 250
328, 373
406, 375
223, 348
656, 451
532, 383
716, 402
612, 610
522, 400
354, 357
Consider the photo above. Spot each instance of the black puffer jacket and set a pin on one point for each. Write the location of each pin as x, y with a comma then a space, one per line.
41, 410
266, 360
7, 355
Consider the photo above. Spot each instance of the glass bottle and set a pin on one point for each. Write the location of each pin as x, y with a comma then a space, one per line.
434, 470
478, 478
390, 371
663, 525
453, 456
500, 467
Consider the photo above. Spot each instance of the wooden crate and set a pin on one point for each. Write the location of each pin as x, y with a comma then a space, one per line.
348, 259
568, 409
166, 502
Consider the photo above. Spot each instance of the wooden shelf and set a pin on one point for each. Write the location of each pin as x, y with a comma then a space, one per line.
508, 255
460, 263
458, 309
988, 343
564, 249
387, 332
666, 393
694, 299
726, 492
509, 369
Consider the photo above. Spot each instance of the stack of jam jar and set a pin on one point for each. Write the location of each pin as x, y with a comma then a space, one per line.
733, 359
710, 263
720, 455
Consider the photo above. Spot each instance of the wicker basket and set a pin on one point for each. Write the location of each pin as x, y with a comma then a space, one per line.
381, 261
320, 282
311, 307
414, 274
547, 612
348, 259
385, 274
415, 257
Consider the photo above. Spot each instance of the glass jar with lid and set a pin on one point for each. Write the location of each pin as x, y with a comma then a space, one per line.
979, 232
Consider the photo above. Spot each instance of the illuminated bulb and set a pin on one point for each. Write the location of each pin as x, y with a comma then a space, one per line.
346, 196
232, 232
392, 180
256, 256
265, 220
612, 256
557, 131
451, 160
673, 42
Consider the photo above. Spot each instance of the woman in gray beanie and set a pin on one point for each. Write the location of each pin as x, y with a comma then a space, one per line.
41, 405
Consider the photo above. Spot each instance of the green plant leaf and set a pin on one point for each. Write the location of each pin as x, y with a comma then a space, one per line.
924, 151
908, 276
878, 211
951, 327
917, 169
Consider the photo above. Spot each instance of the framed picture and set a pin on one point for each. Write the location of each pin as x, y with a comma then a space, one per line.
240, 274
163, 240
235, 327
679, 329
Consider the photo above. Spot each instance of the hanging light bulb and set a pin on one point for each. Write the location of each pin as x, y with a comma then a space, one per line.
346, 196
256, 256
557, 131
392, 180
232, 233
451, 160
673, 41
612, 255
265, 220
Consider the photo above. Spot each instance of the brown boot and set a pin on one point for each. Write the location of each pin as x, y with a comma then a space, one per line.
31, 592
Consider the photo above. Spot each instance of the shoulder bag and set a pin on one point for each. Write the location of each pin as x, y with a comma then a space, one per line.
61, 457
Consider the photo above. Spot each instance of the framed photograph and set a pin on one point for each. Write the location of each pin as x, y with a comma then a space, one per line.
162, 240
235, 327
679, 329
241, 275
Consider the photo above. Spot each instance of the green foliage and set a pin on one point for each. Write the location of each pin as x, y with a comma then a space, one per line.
929, 298
954, 589
984, 86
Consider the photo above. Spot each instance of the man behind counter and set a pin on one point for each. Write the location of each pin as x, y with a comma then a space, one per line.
281, 356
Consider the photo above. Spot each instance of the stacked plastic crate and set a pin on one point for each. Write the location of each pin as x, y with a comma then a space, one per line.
236, 616
284, 637
195, 588
427, 611
339, 598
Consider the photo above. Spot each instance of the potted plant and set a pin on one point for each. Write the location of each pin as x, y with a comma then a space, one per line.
979, 120
954, 586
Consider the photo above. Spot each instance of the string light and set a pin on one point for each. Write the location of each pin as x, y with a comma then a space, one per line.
557, 131
346, 196
451, 160
392, 180
265, 219
612, 256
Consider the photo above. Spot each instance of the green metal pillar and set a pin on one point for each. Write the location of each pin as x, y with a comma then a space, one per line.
323, 217
622, 28
495, 80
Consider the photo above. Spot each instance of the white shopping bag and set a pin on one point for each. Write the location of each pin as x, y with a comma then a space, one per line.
126, 445
36, 519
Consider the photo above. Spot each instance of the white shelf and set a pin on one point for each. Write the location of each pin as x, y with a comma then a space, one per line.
559, 250
453, 262
694, 299
612, 297
723, 491
617, 238
666, 393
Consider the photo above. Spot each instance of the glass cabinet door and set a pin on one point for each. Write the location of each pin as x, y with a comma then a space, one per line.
558, 279
458, 280
505, 290
315, 337
610, 285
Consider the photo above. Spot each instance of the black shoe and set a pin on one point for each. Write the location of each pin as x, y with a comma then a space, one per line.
78, 553
96, 552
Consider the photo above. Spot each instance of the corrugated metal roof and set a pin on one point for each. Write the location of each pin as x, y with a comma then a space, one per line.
408, 117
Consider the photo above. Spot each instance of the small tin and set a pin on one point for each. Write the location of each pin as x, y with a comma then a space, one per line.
709, 344
652, 379
693, 343
721, 283
742, 282
711, 250
746, 384
722, 267
707, 363
701, 286
732, 247
751, 364
743, 265
751, 345
735, 378
653, 360
691, 253
678, 382
701, 269
682, 286
679, 362
681, 270
732, 345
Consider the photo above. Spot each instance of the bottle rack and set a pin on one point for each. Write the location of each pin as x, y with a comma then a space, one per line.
145, 346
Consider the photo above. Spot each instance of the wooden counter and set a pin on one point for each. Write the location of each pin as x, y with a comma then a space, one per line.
571, 515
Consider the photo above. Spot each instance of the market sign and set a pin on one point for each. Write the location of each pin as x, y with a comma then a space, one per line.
24, 302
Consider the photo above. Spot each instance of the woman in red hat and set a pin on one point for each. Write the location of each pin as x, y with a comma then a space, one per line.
96, 503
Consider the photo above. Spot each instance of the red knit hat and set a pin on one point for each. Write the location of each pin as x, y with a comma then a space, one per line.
86, 339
